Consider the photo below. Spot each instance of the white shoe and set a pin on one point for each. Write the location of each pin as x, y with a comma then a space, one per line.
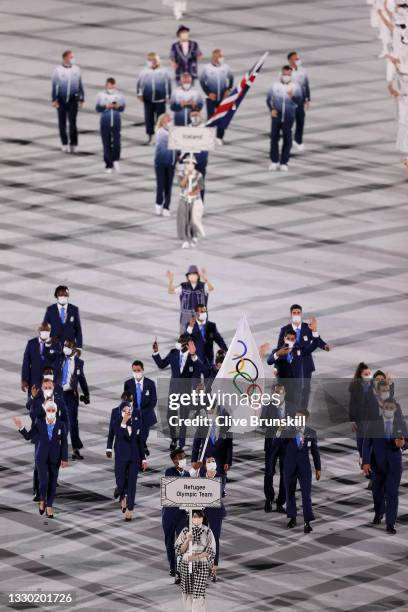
158, 209
219, 141
116, 166
193, 243
273, 166
166, 212
108, 170
185, 245
298, 148
284, 168
65, 148
381, 55
72, 148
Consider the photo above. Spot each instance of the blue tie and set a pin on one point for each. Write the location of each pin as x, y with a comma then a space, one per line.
42, 349
388, 429
139, 395
65, 371
181, 360
213, 437
298, 439
289, 357
202, 331
50, 428
62, 315
297, 335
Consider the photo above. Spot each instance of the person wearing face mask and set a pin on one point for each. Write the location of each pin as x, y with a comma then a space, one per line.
184, 54
359, 389
300, 77
278, 409
174, 519
282, 99
153, 88
124, 437
201, 159
164, 163
297, 442
204, 334
186, 367
143, 391
193, 585
49, 436
190, 208
185, 99
64, 318
71, 377
67, 93
214, 515
192, 292
110, 104
216, 80
379, 391
40, 352
384, 439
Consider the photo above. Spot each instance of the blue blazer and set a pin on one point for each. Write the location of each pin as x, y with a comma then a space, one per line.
192, 369
306, 337
34, 362
377, 450
128, 447
71, 329
78, 376
149, 400
35, 406
205, 347
221, 450
54, 450
294, 456
171, 512
298, 368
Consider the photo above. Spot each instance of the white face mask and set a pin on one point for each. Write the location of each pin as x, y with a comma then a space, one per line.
48, 392
220, 60
178, 346
290, 343
67, 351
182, 463
195, 121
45, 335
202, 317
388, 414
186, 86
366, 377
138, 375
298, 63
285, 79
62, 300
51, 417
73, 60
149, 64
110, 91
296, 319
384, 395
168, 125
211, 466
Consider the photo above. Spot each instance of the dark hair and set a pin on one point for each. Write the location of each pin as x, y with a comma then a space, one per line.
47, 370
286, 67
361, 366
379, 373
296, 307
67, 52
126, 396
182, 28
59, 289
137, 362
175, 452
289, 332
200, 306
184, 338
198, 512
391, 401
291, 54
111, 80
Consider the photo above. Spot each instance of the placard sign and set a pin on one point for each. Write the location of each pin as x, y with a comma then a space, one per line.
192, 139
177, 491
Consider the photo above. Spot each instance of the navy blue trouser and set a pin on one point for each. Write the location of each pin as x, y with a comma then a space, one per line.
386, 481
68, 110
164, 184
152, 111
71, 403
111, 141
303, 473
270, 470
126, 473
279, 128
48, 477
173, 521
300, 123
215, 525
211, 106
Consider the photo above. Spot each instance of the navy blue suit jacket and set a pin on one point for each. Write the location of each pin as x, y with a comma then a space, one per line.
35, 405
169, 512
221, 450
54, 450
306, 337
377, 450
128, 447
298, 368
205, 347
192, 369
78, 376
34, 362
295, 456
71, 329
149, 399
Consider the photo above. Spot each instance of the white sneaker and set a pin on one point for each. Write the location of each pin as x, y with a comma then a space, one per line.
193, 243
108, 170
284, 168
298, 148
166, 212
273, 166
158, 209
116, 166
65, 148
185, 245
219, 141
72, 148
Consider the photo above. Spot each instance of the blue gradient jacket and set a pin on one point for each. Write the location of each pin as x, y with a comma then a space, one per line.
162, 154
67, 84
154, 84
215, 79
300, 77
278, 99
182, 113
110, 116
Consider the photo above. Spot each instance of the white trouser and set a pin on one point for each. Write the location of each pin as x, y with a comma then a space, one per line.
197, 216
193, 605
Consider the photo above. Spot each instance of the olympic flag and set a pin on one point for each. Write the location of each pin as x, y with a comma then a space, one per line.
241, 375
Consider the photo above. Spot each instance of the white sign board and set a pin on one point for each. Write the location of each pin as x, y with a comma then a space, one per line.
192, 139
177, 491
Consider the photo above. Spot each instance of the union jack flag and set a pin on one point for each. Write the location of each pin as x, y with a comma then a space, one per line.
227, 107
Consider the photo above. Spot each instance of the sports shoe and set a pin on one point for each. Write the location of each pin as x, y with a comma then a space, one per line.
65, 148
298, 148
185, 245
284, 168
166, 212
219, 141
108, 170
158, 209
116, 166
273, 166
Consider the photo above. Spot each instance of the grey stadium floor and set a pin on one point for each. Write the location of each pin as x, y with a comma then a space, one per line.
331, 234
